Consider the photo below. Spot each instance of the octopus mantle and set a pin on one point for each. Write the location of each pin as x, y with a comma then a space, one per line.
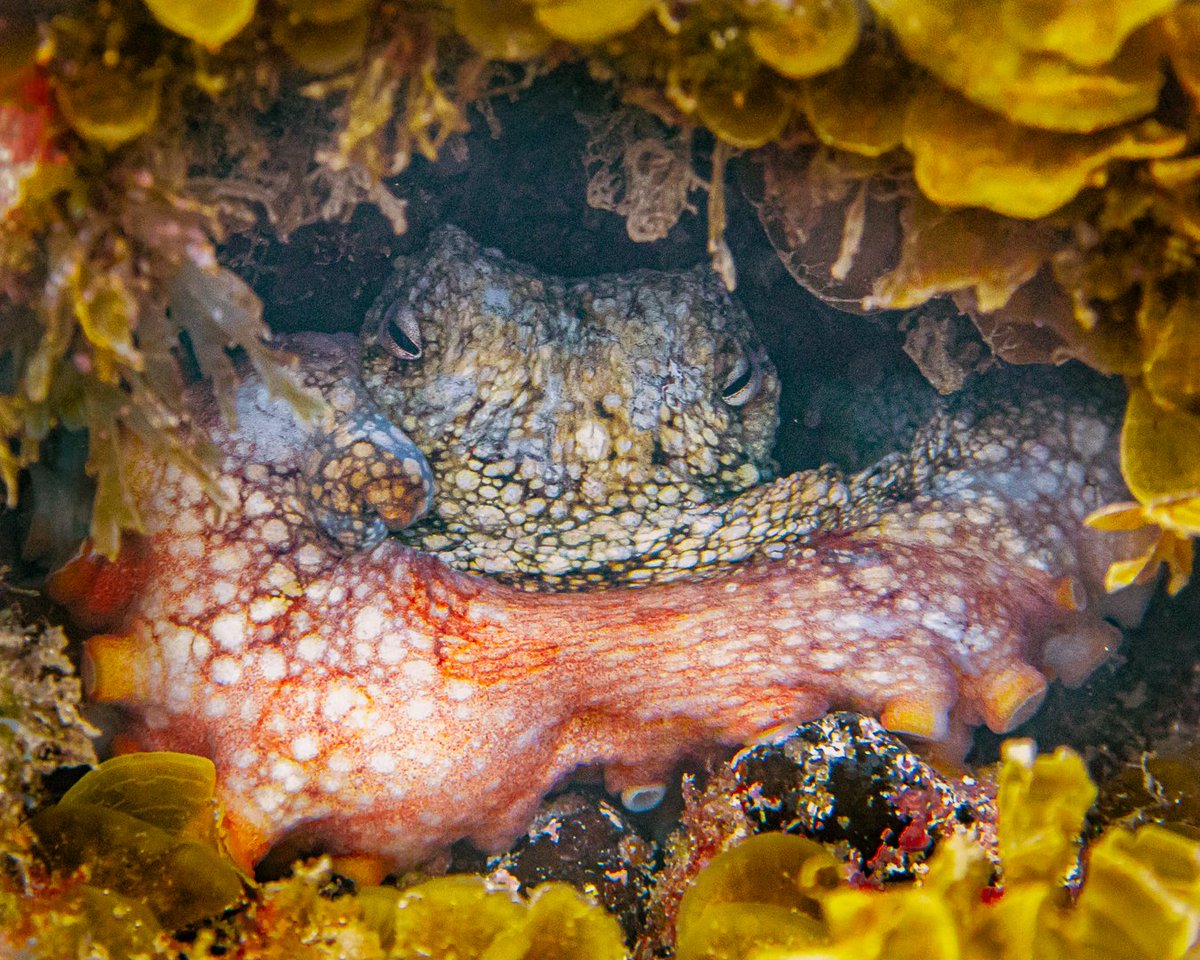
379, 702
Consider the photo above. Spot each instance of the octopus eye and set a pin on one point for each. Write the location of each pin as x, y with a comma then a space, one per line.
399, 333
743, 383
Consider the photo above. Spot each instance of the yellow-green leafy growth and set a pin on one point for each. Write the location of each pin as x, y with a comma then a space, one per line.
767, 890
1041, 803
145, 827
464, 917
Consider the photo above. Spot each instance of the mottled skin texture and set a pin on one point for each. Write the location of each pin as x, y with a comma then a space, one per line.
573, 426
380, 702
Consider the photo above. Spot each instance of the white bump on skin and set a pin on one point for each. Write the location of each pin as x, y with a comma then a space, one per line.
392, 648
275, 532
339, 701
419, 671
420, 708
460, 690
186, 524
273, 665
230, 559
720, 658
851, 621
177, 646
229, 630
310, 647
332, 784
224, 592
829, 659
339, 762
1089, 437
368, 623
258, 505
592, 440
288, 775
226, 670
941, 624
280, 576
382, 763
309, 556
216, 706
268, 798
263, 609
1046, 483
305, 747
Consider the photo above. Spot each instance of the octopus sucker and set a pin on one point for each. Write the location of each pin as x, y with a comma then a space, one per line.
386, 704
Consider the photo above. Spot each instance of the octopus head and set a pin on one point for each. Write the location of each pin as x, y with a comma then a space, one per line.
605, 386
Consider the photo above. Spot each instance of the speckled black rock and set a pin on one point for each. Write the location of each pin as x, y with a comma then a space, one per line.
845, 779
585, 841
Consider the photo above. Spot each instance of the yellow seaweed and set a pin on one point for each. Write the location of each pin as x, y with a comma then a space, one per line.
767, 890
964, 155
1042, 802
585, 21
1087, 32
181, 881
210, 22
745, 118
451, 916
326, 11
805, 38
1141, 900
502, 29
959, 43
172, 791
1181, 28
948, 250
860, 106
1140, 897
1160, 459
323, 47
463, 917
110, 105
85, 921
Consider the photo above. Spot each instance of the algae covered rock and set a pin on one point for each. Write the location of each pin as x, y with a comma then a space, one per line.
41, 728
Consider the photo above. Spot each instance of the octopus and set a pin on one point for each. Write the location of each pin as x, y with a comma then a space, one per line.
357, 693
579, 431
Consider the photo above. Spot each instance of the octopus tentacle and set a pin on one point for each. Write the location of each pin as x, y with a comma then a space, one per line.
382, 703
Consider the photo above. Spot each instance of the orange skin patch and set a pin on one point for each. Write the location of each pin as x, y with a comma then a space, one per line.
97, 590
383, 705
